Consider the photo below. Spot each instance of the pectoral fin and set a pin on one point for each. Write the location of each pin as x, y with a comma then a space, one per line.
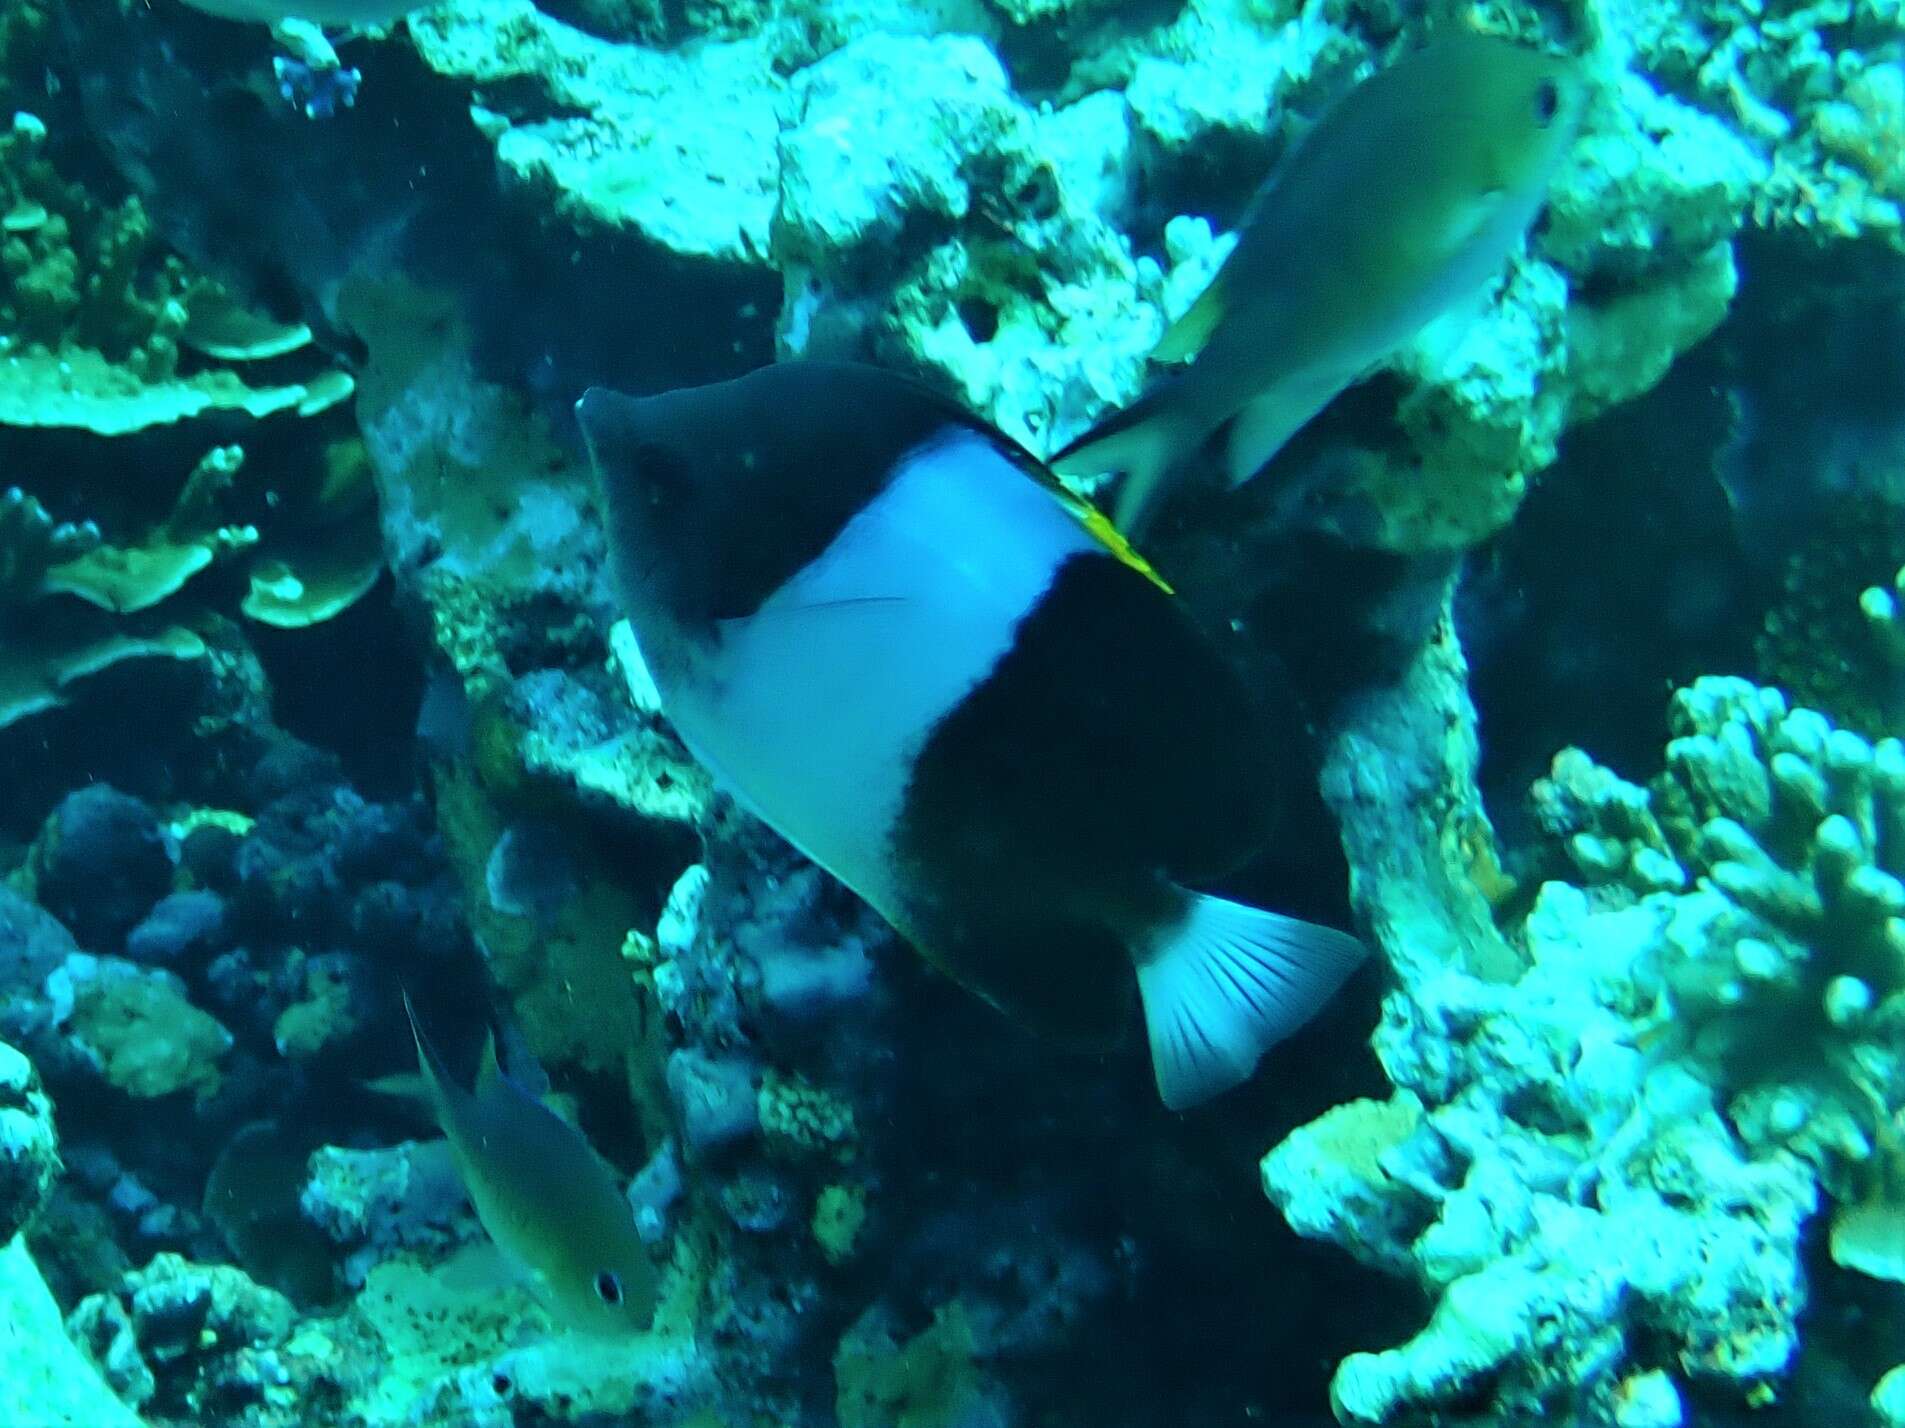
1186, 337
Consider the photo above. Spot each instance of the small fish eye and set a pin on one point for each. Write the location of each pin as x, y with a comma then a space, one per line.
1547, 102
608, 1287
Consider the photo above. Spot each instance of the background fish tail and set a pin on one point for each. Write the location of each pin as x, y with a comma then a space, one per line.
1146, 442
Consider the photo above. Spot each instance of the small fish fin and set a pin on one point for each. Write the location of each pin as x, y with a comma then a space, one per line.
1145, 441
1225, 984
1099, 525
1259, 431
1438, 338
404, 1085
488, 1072
483, 1267
1186, 337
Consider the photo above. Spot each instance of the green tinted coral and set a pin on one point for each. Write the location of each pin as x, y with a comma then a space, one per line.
92, 308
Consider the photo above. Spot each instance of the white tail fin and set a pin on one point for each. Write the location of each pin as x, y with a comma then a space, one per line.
1225, 984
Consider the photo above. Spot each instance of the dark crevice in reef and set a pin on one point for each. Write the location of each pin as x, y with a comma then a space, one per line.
1652, 550
1621, 577
352, 686
1173, 1209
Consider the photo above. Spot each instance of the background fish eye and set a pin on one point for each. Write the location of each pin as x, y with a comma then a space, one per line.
1547, 101
608, 1286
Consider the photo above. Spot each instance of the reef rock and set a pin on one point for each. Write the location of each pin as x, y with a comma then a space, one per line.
1611, 1126
29, 1149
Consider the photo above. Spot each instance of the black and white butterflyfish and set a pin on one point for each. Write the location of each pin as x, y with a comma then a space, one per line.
891, 634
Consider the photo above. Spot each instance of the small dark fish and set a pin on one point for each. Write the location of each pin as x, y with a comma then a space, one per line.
531, 872
446, 722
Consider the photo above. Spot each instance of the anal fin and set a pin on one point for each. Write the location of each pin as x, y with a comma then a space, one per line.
1261, 429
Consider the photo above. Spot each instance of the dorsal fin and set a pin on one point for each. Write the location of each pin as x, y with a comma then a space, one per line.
1095, 521
441, 1090
488, 1072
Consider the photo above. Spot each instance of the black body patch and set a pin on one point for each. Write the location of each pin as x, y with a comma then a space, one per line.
1111, 749
717, 495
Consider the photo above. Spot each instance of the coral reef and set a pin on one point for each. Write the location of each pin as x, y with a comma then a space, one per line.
105, 332
1644, 1070
93, 322
29, 1154
1610, 1131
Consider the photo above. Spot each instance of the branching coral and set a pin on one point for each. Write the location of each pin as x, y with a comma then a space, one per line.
1771, 849
1829, 638
1608, 1136
1884, 611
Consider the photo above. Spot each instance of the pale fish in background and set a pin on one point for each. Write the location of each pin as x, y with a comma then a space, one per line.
332, 14
1397, 208
543, 1194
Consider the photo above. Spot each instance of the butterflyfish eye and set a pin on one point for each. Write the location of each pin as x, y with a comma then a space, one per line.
1547, 102
608, 1287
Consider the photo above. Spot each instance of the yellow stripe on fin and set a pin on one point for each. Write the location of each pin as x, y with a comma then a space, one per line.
1107, 535
1095, 521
